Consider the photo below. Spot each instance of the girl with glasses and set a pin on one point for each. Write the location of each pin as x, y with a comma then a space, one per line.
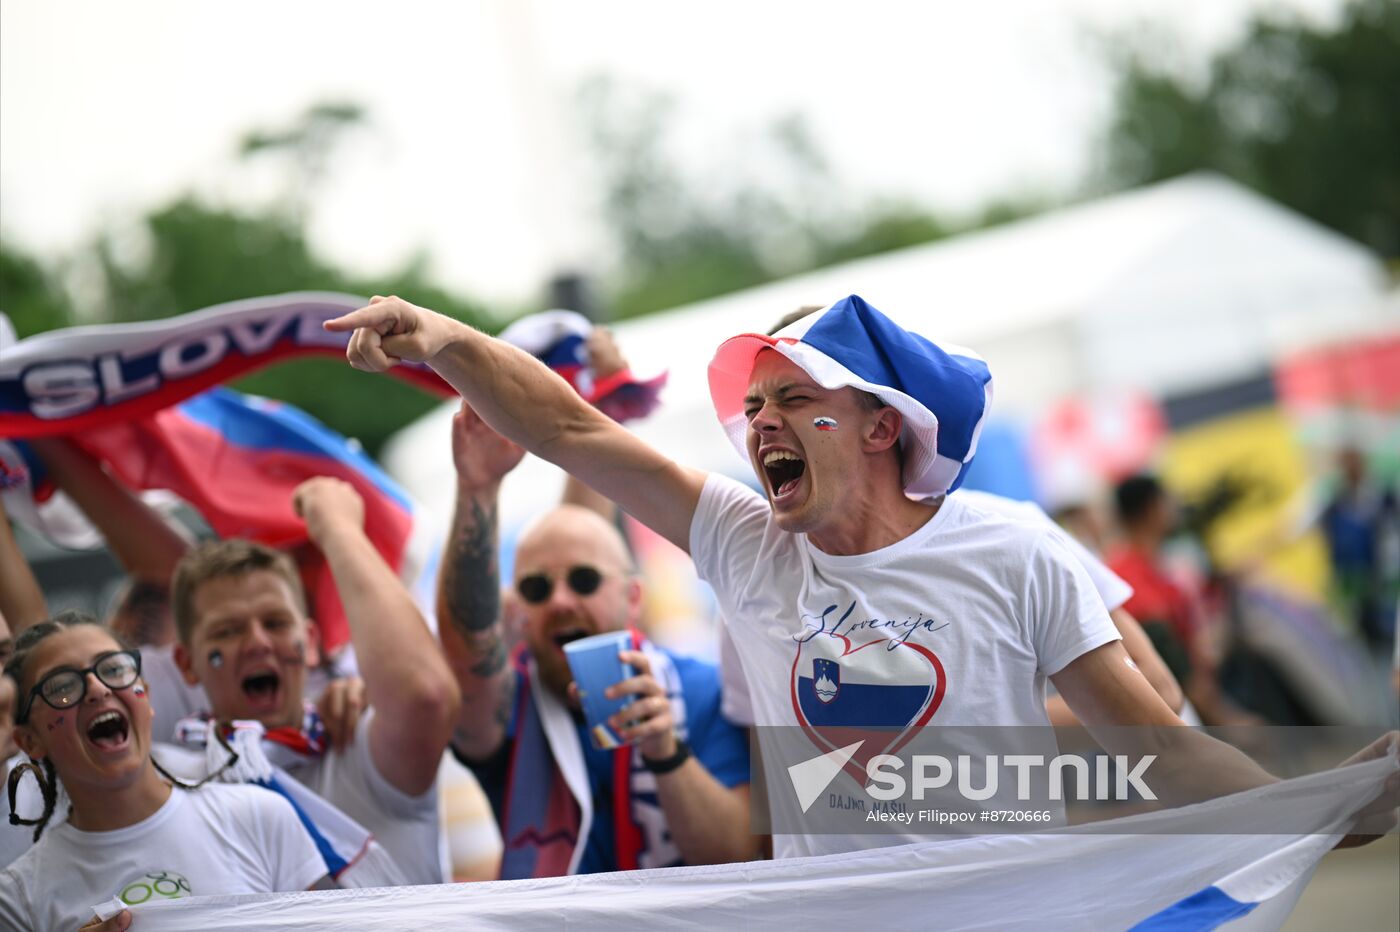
124, 838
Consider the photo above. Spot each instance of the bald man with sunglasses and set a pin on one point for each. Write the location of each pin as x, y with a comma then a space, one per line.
677, 795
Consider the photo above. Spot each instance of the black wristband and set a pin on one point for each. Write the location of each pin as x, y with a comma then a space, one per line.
667, 764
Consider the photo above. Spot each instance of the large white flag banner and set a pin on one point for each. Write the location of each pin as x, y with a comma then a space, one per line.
1175, 869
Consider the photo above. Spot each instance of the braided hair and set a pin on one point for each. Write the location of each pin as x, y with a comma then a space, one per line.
48, 788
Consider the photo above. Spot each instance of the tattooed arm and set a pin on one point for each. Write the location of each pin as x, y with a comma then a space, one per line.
470, 617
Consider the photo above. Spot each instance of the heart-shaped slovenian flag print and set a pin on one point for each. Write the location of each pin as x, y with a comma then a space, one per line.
881, 690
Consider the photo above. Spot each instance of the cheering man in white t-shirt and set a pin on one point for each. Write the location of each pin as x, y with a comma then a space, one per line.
246, 636
858, 583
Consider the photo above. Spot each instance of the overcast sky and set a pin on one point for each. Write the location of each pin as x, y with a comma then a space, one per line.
105, 108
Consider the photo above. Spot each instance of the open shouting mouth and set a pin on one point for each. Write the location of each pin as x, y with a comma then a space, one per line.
566, 635
263, 689
109, 731
784, 471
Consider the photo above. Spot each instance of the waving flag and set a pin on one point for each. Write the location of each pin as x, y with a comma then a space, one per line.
138, 398
236, 460
1161, 870
68, 380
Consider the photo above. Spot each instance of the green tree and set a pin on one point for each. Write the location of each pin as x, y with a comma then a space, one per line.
745, 212
1305, 114
679, 241
191, 253
306, 147
31, 295
196, 254
891, 226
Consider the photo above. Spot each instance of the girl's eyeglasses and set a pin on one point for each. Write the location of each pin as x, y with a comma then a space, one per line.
63, 689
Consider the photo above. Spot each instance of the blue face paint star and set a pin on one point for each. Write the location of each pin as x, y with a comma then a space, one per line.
824, 423
216, 658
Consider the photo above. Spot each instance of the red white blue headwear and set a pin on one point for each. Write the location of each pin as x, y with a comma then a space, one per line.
943, 393
559, 340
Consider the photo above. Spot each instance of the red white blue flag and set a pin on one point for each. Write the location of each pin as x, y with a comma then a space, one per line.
144, 400
67, 380
559, 339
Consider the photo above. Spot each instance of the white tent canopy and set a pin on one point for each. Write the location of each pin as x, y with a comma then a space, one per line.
1175, 286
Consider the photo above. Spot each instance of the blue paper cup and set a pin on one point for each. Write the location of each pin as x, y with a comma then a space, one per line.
596, 666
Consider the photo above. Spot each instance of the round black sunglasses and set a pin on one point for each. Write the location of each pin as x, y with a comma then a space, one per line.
537, 587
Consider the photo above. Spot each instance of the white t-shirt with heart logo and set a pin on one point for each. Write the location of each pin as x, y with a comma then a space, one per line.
960, 623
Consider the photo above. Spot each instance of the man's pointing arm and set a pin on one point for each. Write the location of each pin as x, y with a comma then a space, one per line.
523, 400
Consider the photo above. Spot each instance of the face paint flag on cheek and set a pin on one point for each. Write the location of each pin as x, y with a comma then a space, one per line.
138, 690
216, 658
824, 423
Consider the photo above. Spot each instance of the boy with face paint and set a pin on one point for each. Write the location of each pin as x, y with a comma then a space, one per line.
246, 637
83, 715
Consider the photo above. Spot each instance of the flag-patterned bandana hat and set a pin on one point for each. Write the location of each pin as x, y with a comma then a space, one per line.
559, 340
943, 392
